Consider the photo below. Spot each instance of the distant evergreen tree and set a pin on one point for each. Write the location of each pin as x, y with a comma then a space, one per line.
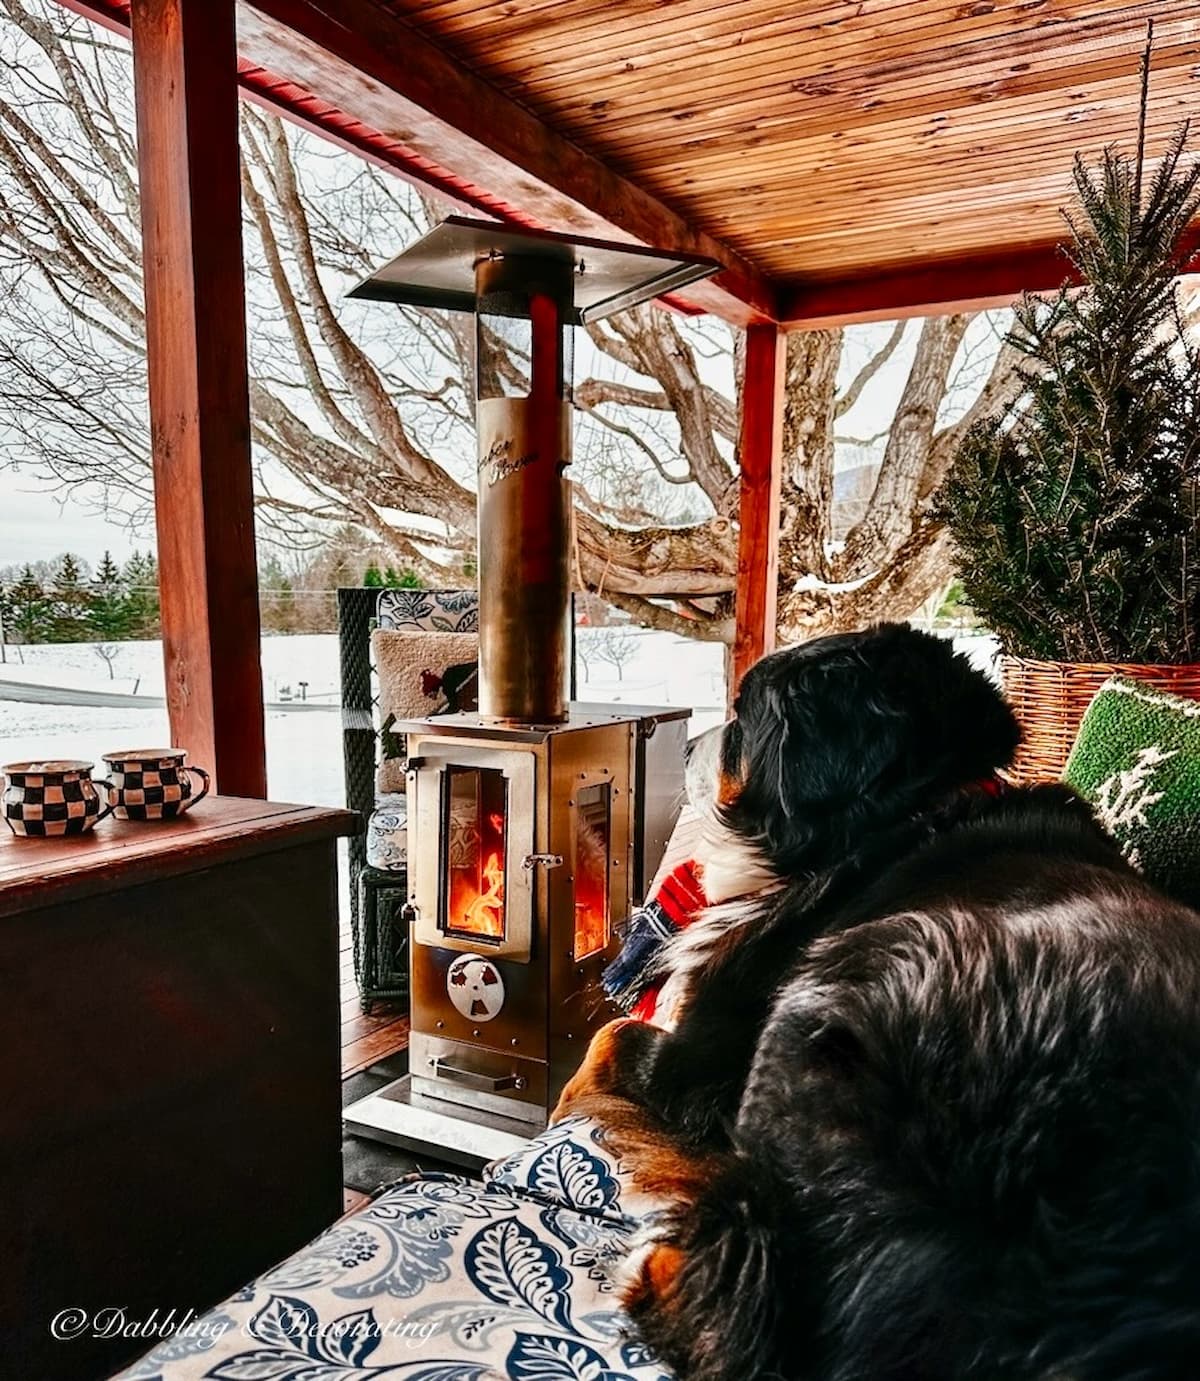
30, 620
7, 631
1076, 513
285, 614
391, 578
409, 580
373, 577
109, 615
71, 602
140, 577
276, 597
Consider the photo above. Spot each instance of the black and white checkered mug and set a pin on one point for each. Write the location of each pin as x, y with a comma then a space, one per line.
152, 783
43, 799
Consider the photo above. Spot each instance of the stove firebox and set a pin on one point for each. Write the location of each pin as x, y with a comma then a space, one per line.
535, 824
514, 902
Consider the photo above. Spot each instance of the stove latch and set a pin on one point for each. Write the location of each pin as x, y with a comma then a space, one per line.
531, 861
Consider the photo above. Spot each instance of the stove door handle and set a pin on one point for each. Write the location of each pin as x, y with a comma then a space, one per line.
470, 1078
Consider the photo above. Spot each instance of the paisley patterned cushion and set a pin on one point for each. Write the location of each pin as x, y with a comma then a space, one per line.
571, 1163
441, 1278
431, 611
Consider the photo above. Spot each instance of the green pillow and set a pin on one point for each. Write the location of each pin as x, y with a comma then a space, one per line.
1136, 759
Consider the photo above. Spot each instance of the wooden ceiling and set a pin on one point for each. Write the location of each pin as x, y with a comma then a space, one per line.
826, 141
840, 159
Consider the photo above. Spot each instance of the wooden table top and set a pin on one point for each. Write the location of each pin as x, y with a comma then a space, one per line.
123, 853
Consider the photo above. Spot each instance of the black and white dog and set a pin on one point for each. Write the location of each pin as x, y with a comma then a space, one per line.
931, 1110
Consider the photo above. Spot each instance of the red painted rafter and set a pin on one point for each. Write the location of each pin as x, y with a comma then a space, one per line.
293, 102
301, 107
760, 469
959, 285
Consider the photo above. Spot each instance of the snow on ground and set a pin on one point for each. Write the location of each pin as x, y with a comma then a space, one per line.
137, 666
304, 749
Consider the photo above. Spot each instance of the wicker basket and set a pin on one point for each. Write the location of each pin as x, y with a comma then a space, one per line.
1050, 699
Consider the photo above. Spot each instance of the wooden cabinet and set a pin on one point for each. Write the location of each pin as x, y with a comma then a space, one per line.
169, 1080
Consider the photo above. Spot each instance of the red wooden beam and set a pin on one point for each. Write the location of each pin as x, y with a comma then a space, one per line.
363, 79
372, 65
995, 279
760, 458
185, 80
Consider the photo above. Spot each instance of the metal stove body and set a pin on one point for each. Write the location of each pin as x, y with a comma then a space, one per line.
533, 824
527, 846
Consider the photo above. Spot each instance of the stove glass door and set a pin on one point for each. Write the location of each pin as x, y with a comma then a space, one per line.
593, 847
470, 829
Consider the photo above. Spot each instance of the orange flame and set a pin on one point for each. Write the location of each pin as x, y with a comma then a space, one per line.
485, 914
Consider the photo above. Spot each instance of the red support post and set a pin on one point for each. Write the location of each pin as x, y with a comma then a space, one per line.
760, 457
185, 77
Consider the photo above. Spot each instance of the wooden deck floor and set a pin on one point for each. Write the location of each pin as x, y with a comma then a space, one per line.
365, 1039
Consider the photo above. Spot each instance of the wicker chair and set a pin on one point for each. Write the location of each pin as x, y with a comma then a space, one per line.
376, 895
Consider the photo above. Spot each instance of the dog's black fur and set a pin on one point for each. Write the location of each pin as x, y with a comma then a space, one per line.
953, 1063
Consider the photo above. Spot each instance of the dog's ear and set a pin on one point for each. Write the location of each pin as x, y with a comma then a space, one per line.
849, 732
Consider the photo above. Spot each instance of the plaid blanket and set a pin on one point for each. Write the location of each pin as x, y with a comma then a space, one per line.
676, 903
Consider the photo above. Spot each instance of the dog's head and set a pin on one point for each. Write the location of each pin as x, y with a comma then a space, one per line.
840, 737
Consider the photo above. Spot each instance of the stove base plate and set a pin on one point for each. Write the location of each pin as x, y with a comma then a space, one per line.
450, 1132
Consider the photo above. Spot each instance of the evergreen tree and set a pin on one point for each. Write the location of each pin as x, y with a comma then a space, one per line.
391, 578
7, 630
373, 577
276, 605
109, 616
71, 600
285, 614
140, 577
30, 620
1075, 513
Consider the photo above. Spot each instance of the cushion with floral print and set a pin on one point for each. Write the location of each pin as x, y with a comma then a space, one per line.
441, 1278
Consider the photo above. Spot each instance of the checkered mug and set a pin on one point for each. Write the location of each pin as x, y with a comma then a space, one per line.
152, 783
43, 799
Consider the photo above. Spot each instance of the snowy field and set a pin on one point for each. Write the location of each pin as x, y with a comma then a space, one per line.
304, 747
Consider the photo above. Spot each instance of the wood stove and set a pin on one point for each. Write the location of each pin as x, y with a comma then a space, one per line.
534, 825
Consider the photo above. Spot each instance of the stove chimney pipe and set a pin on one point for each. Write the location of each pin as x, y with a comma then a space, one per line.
527, 289
524, 441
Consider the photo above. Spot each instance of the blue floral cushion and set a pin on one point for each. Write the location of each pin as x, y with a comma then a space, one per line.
572, 1163
430, 611
441, 1278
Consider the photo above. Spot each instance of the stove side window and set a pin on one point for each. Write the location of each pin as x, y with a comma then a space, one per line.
593, 829
474, 852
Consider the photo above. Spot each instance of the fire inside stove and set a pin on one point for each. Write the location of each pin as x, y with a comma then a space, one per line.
474, 842
593, 826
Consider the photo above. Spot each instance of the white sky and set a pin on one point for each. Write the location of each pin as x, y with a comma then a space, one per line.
37, 523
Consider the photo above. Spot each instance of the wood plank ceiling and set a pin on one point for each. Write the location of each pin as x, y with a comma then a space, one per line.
830, 140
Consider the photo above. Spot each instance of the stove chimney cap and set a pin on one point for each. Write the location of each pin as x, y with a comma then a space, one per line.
439, 269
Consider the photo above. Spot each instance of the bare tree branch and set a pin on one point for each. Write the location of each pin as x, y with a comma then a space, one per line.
872, 367
363, 416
